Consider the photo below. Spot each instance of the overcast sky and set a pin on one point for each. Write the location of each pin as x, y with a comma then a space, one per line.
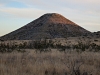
17, 13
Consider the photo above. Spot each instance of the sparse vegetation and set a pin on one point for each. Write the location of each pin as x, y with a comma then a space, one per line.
51, 63
49, 57
45, 45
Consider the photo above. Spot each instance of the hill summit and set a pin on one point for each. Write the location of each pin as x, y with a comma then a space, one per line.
51, 25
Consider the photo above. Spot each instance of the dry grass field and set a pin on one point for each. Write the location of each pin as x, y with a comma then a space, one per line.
50, 63
61, 60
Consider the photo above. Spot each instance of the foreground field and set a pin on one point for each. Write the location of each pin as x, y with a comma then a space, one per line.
50, 63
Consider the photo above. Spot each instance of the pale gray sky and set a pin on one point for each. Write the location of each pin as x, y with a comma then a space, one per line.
16, 13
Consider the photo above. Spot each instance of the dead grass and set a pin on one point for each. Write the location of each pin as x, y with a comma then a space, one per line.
50, 63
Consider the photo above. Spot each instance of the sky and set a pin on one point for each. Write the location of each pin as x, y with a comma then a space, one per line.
17, 13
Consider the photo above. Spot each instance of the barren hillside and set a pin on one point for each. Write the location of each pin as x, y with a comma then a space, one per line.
50, 25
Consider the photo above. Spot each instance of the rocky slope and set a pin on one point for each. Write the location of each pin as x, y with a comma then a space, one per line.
50, 25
